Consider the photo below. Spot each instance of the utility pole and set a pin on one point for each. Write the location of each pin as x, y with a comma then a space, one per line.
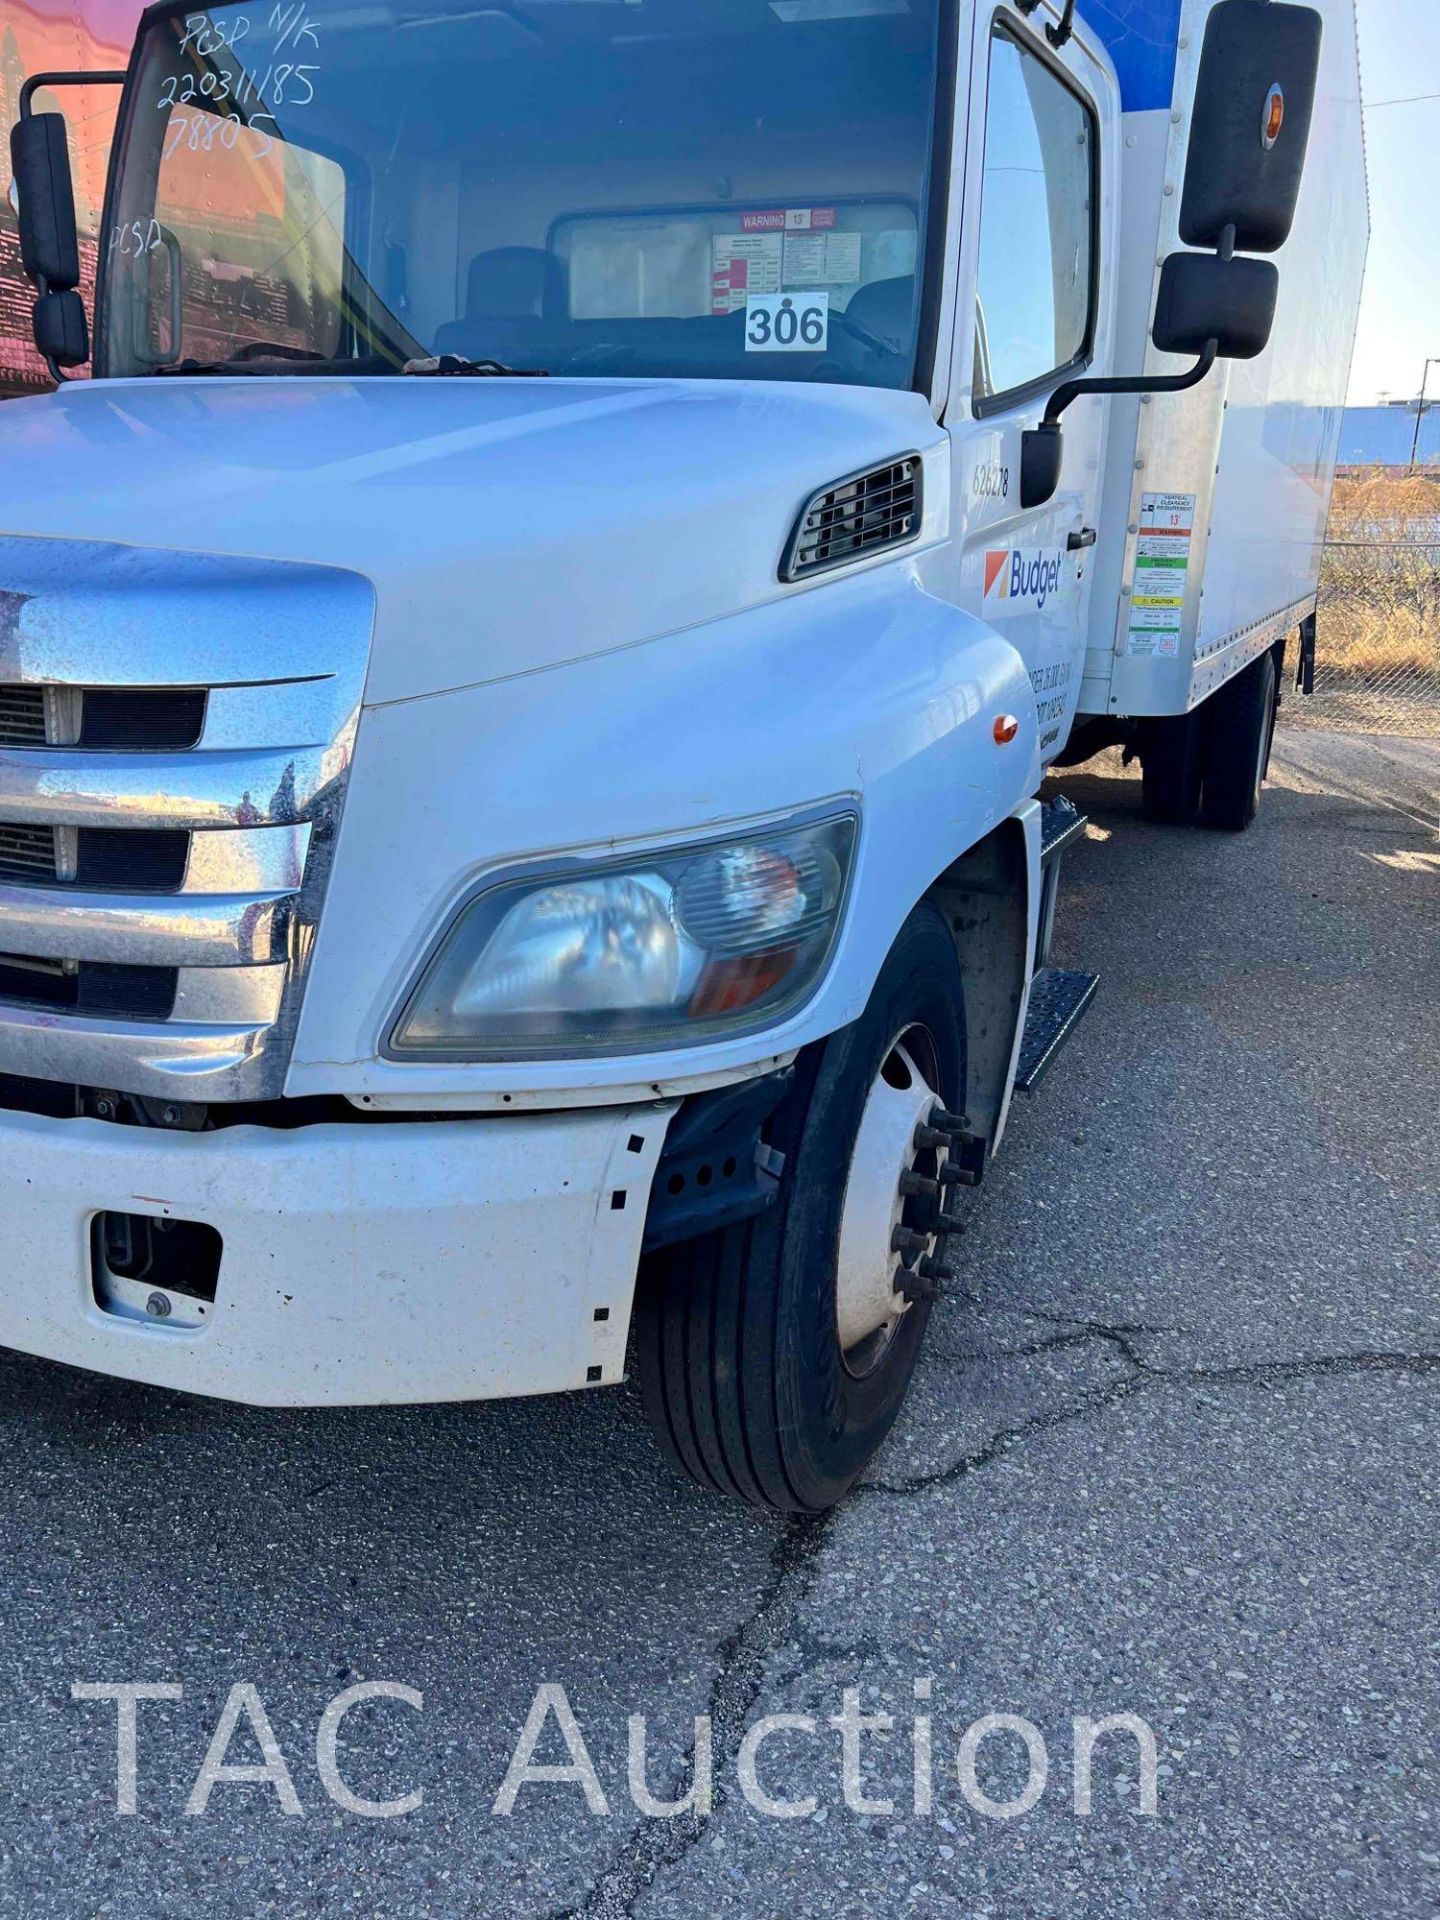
1434, 361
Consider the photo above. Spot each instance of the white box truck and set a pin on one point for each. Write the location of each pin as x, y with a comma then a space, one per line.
526, 668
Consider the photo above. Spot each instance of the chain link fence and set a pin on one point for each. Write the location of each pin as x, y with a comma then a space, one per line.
1377, 660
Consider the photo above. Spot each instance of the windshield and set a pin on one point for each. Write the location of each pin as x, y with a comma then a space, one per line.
690, 188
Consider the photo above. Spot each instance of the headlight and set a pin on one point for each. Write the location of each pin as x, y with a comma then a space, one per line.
619, 957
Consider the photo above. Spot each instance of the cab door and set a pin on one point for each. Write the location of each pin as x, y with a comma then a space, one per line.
1029, 316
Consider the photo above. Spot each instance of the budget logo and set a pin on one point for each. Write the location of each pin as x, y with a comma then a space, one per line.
1025, 578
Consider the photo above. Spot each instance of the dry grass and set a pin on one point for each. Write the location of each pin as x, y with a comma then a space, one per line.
1367, 500
1380, 587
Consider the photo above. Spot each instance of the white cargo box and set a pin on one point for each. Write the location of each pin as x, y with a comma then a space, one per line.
1215, 501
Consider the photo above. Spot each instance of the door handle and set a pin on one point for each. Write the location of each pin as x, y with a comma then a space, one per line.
1086, 537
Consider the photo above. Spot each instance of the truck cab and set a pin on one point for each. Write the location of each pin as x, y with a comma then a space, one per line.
526, 671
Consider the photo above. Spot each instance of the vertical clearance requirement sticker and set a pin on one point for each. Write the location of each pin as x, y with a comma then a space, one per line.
1162, 573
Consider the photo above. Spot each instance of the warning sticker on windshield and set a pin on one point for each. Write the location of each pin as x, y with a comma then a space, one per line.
788, 220
1162, 574
822, 259
787, 323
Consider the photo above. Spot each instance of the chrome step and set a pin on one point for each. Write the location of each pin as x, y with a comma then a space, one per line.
1059, 1001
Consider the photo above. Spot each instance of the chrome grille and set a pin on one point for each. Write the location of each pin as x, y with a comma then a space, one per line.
119, 718
27, 853
22, 716
164, 845
104, 859
88, 988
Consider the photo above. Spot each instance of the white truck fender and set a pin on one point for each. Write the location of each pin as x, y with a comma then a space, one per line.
864, 693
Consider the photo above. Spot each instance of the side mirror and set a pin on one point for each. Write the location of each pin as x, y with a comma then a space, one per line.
1250, 128
1204, 297
1250, 131
60, 330
40, 161
1042, 450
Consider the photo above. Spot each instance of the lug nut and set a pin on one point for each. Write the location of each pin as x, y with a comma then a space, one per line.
949, 1223
949, 1122
903, 1240
915, 1286
933, 1139
952, 1174
915, 1186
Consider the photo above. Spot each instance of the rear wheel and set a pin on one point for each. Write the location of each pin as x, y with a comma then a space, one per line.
1242, 728
1172, 752
774, 1354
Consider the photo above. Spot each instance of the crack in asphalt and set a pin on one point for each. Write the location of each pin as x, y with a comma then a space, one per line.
739, 1676
656, 1844
1143, 1375
971, 1357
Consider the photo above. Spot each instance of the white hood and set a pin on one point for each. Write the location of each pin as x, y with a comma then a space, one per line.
507, 525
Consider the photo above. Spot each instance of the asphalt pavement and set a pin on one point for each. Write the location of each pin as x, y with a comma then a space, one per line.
1171, 1454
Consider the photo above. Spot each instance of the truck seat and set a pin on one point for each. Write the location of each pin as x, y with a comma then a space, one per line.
508, 289
886, 308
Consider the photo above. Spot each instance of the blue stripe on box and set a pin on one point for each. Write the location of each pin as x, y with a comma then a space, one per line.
1140, 36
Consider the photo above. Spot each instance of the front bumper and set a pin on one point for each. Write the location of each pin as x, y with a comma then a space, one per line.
362, 1264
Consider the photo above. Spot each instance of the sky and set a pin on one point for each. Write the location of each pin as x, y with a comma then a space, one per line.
1400, 313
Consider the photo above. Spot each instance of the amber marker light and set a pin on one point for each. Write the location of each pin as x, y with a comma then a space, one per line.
1006, 728
1274, 115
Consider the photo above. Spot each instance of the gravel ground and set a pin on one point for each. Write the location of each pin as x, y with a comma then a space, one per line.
1172, 1453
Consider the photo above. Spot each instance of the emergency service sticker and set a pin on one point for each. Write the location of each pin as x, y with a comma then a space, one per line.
1162, 574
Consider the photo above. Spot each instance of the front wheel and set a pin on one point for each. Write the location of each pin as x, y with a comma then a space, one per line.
774, 1354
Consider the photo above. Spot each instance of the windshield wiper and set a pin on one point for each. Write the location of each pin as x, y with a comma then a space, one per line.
190, 368
260, 358
252, 353
452, 366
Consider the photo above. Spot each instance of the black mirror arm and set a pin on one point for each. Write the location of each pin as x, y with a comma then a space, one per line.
38, 80
1072, 390
1056, 35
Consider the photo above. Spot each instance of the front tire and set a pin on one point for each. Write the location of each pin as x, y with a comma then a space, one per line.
747, 1381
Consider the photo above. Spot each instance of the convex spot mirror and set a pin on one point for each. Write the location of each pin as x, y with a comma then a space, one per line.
1042, 454
1250, 128
1205, 297
60, 330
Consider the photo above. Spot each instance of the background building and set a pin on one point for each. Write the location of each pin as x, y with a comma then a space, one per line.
1385, 436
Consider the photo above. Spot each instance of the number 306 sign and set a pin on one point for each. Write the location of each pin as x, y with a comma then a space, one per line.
787, 322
